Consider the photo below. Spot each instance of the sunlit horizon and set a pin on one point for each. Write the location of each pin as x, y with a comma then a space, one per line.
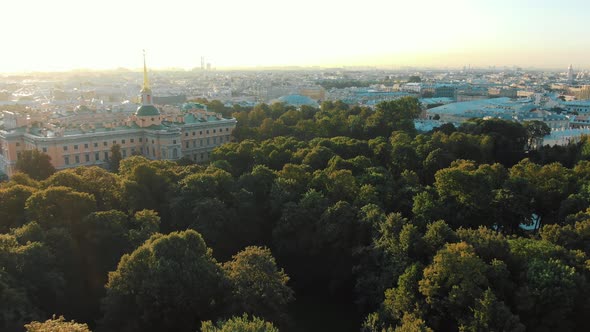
66, 35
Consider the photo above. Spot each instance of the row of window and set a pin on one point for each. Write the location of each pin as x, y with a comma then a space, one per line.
132, 140
76, 159
68, 160
206, 131
141, 149
207, 140
584, 110
105, 143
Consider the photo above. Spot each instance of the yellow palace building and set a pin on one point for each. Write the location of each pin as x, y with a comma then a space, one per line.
86, 138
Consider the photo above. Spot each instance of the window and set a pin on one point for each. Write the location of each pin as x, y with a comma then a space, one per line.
95, 145
214, 131
106, 155
140, 139
65, 148
153, 152
132, 140
97, 156
114, 142
87, 157
207, 131
76, 147
193, 133
152, 141
226, 129
194, 143
202, 156
208, 141
17, 144
173, 141
201, 142
44, 150
85, 145
186, 145
77, 159
124, 153
201, 132
104, 143
67, 160
214, 140
186, 134
122, 141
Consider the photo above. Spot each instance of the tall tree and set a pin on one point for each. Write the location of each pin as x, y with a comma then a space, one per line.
36, 164
12, 208
59, 206
239, 324
535, 131
170, 283
451, 285
116, 158
254, 275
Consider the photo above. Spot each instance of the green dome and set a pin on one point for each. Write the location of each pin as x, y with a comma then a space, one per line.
147, 110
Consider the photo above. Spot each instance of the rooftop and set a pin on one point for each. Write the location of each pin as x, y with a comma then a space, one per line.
297, 100
494, 106
147, 110
577, 103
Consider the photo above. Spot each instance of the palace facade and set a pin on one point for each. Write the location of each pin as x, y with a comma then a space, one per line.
85, 138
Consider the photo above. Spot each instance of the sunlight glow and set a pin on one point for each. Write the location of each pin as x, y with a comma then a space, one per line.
66, 34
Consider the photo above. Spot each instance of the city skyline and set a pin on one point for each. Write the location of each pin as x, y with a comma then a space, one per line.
64, 35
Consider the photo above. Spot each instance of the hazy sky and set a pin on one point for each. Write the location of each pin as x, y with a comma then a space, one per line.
66, 34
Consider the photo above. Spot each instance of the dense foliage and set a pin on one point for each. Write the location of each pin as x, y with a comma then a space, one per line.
459, 229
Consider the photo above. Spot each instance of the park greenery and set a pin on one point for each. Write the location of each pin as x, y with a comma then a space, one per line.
458, 229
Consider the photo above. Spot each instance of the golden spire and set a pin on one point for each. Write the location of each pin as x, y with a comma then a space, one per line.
146, 82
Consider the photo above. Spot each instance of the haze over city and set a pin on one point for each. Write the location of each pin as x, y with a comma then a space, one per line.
64, 35
294, 166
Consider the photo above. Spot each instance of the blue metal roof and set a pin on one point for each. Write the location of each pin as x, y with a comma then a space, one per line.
297, 100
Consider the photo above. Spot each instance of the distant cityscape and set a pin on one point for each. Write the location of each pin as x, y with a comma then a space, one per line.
76, 117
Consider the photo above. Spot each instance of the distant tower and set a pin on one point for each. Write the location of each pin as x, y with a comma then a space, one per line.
570, 74
146, 92
202, 63
147, 114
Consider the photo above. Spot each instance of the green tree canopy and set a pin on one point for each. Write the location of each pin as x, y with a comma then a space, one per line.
239, 324
36, 164
259, 286
116, 158
59, 206
170, 283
